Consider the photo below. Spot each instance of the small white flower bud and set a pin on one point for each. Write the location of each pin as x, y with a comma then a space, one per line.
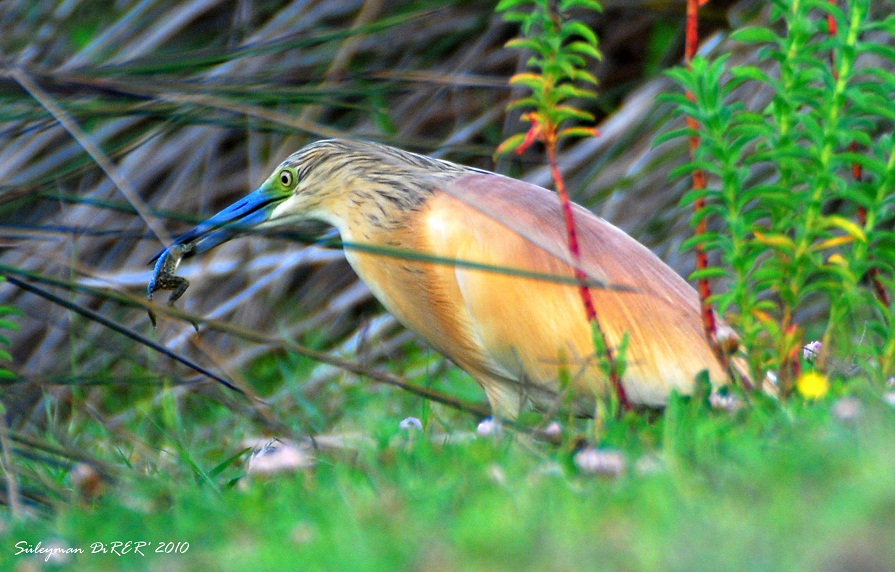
489, 427
848, 409
811, 350
601, 462
726, 402
553, 431
410, 424
278, 457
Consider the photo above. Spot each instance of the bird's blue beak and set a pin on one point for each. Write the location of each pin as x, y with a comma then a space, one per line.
237, 219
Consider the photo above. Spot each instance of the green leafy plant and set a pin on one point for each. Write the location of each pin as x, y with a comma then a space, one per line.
6, 324
800, 193
562, 48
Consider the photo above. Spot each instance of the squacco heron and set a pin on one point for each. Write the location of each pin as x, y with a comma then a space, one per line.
516, 332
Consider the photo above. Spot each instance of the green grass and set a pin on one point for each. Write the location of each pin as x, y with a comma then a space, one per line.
768, 488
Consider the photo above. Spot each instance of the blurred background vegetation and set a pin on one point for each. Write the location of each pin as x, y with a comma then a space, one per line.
189, 105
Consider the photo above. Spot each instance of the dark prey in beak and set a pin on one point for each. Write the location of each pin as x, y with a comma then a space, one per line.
233, 221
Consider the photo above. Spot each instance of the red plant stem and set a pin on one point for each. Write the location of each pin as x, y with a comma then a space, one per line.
709, 323
702, 260
831, 22
792, 366
882, 293
580, 275
691, 42
880, 287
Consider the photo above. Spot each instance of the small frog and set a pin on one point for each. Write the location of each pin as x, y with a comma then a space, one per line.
164, 277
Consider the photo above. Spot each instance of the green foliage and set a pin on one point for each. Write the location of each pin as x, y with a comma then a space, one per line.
810, 232
562, 48
768, 488
6, 324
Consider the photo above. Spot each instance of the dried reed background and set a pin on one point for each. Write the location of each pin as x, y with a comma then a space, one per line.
194, 102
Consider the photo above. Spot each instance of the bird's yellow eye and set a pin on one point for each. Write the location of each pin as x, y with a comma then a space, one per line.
287, 178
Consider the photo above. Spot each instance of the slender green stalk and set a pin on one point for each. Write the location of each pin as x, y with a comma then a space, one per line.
561, 46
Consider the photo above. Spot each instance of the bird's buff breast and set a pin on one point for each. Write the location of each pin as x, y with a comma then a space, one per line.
423, 296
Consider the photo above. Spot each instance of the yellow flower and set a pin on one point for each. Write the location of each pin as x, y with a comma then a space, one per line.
813, 385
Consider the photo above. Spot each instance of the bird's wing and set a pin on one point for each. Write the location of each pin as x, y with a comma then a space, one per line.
607, 253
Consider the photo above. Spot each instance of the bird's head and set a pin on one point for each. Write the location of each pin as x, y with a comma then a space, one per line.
295, 191
332, 181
